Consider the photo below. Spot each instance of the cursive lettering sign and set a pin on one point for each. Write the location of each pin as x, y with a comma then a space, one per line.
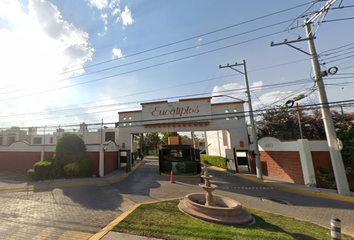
157, 111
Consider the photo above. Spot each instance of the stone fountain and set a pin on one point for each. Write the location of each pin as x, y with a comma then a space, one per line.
214, 208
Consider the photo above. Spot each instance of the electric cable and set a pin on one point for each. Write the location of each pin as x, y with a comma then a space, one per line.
150, 58
184, 40
144, 68
245, 114
288, 83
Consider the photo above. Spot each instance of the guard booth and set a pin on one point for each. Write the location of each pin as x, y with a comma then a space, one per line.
125, 160
237, 160
178, 153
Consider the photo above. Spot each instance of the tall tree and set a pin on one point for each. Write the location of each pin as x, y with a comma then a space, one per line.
283, 123
154, 138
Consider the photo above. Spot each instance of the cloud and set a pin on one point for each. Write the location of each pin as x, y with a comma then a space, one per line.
105, 22
127, 17
100, 4
233, 90
115, 11
271, 99
37, 44
69, 43
114, 3
117, 53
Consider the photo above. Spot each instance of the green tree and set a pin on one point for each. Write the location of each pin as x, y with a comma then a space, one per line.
280, 123
347, 139
154, 138
165, 136
283, 124
140, 138
70, 148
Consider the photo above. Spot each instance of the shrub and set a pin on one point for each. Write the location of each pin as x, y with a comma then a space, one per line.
139, 152
55, 171
70, 148
31, 175
42, 169
49, 158
181, 167
135, 154
214, 160
72, 169
191, 167
86, 167
166, 166
142, 156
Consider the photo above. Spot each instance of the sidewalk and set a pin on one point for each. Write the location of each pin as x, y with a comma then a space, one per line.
13, 186
298, 188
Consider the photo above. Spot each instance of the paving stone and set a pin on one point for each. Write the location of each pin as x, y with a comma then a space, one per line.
78, 212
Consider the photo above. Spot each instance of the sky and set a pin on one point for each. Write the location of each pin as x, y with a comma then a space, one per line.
65, 62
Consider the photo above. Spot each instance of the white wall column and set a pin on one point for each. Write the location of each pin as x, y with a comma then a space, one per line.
306, 162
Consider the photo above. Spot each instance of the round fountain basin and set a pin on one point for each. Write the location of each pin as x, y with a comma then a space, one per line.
227, 211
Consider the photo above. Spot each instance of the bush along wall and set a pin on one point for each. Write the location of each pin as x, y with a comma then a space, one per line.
214, 161
86, 167
166, 166
42, 169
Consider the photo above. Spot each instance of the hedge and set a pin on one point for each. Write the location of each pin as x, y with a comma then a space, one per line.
86, 167
31, 175
181, 167
42, 169
187, 167
214, 160
70, 148
72, 169
166, 166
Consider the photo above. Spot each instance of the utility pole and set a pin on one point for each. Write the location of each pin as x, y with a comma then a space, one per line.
253, 126
299, 119
336, 156
332, 140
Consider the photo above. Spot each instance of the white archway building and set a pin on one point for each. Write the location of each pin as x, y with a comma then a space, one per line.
196, 114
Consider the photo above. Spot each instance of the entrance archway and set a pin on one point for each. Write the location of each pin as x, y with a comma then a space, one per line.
225, 119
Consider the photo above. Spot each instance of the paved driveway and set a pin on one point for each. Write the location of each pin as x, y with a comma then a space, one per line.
79, 212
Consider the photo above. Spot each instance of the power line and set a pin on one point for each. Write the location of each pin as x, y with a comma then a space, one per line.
258, 112
333, 49
180, 41
155, 90
283, 84
157, 56
336, 20
144, 68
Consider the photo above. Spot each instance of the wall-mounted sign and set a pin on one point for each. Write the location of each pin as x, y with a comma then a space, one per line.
184, 110
179, 111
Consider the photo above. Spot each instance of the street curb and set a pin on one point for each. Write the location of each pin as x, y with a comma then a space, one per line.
299, 191
112, 224
178, 176
62, 185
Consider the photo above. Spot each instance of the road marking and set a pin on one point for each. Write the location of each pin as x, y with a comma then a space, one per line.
248, 188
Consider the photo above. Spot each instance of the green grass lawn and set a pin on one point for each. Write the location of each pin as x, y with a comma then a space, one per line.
164, 220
